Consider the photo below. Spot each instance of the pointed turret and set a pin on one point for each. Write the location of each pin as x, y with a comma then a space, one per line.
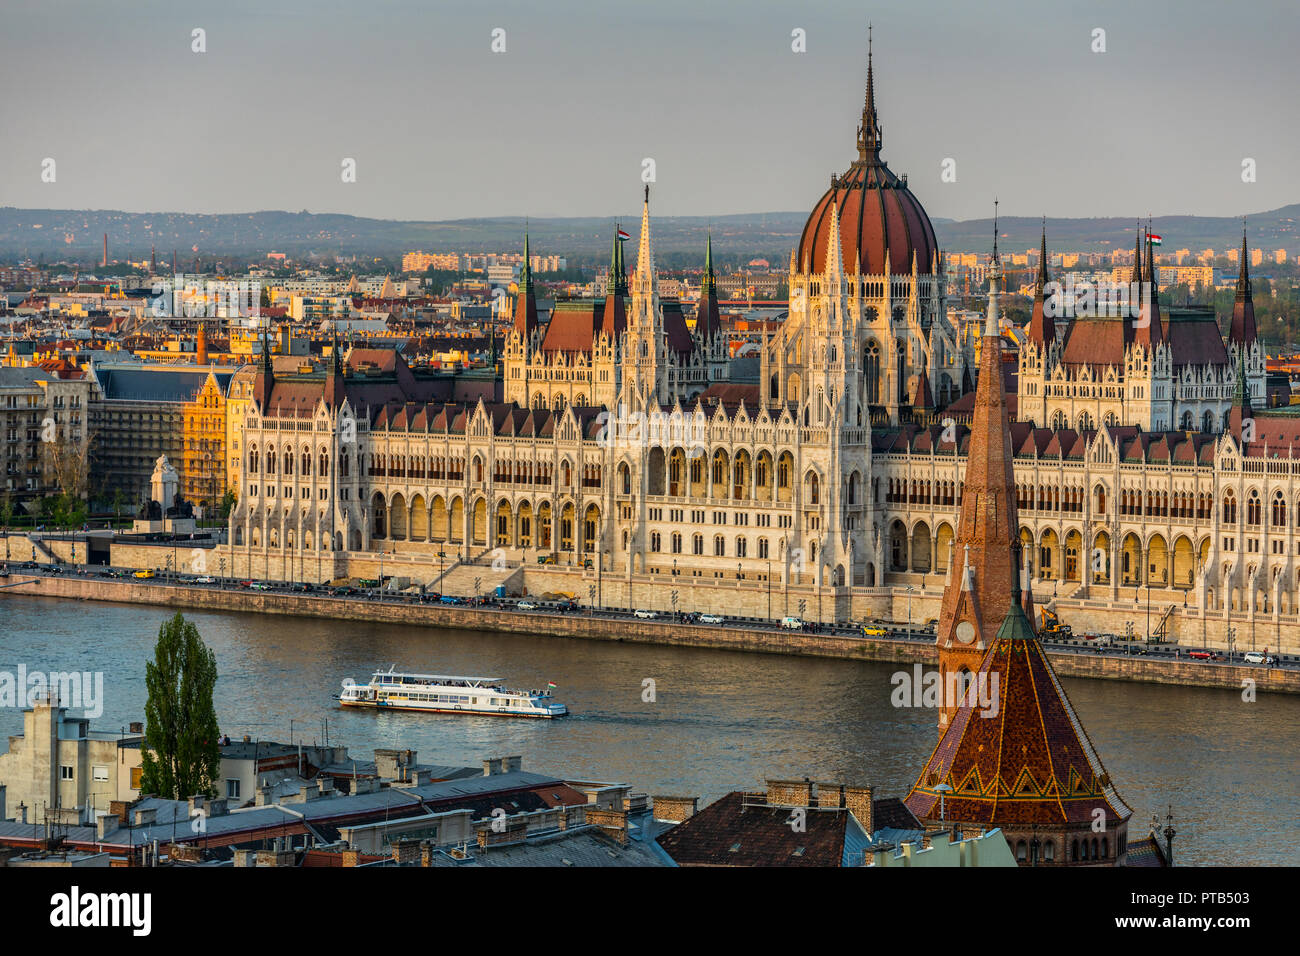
1243, 330
646, 280
335, 382
1042, 326
614, 318
1150, 329
987, 527
1015, 754
526, 301
264, 380
869, 133
707, 319
1241, 410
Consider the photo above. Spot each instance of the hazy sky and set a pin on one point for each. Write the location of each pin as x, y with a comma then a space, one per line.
441, 127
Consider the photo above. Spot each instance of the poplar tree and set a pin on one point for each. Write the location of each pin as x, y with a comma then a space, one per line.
181, 757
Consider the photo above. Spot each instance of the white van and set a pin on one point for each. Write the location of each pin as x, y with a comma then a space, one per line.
792, 623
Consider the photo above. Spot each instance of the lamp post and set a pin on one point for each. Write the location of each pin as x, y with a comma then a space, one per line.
769, 589
942, 790
442, 560
909, 607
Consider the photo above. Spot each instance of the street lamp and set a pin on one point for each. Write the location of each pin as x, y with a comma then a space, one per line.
909, 607
941, 790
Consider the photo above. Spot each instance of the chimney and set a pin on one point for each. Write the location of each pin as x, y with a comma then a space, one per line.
674, 809
789, 793
106, 824
512, 764
196, 805
247, 739
405, 852
351, 857
492, 766
830, 795
426, 853
858, 801
146, 817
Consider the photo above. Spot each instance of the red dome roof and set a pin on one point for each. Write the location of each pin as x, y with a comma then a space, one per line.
877, 212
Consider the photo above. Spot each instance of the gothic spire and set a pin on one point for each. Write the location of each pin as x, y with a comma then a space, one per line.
1243, 328
869, 134
525, 304
1042, 326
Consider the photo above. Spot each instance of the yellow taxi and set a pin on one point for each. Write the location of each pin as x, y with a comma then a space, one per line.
144, 573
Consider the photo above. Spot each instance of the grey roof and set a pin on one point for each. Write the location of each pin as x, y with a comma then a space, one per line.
477, 786
124, 384
24, 377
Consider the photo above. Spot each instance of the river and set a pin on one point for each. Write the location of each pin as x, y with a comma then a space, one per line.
718, 721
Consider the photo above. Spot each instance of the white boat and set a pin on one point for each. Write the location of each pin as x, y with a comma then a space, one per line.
441, 694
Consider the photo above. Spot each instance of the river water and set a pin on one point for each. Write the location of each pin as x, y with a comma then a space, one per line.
719, 720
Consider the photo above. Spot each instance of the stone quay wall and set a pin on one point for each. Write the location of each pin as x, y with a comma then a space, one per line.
130, 591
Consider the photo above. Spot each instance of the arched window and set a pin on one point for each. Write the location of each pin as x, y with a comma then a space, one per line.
1279, 511
1252, 508
1229, 508
871, 362
1207, 422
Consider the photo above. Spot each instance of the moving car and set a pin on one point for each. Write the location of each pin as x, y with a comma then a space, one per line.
205, 579
1256, 657
647, 615
1203, 656
526, 606
792, 623
711, 619
144, 573
873, 630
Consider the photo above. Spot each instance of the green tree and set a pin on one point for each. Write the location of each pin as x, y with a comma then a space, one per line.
227, 503
181, 757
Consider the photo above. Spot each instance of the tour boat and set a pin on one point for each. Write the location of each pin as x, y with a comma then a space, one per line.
439, 694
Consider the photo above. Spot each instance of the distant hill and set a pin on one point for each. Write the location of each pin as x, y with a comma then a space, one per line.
58, 233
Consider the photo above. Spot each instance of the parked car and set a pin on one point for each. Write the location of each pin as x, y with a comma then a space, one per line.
792, 623
712, 619
144, 573
1257, 657
646, 615
526, 606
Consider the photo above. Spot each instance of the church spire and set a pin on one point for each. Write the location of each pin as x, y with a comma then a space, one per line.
707, 320
1042, 326
869, 136
525, 304
1243, 328
987, 526
646, 281
995, 280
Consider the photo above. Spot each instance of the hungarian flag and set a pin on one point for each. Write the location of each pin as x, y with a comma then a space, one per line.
624, 235
550, 683
1153, 239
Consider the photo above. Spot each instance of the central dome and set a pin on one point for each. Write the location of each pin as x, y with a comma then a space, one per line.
878, 213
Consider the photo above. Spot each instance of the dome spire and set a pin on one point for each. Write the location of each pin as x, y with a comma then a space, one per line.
1042, 259
869, 138
1243, 329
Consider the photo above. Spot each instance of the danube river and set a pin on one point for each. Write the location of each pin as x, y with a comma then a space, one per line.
719, 721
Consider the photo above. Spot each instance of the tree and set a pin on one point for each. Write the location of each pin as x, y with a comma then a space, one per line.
228, 501
181, 757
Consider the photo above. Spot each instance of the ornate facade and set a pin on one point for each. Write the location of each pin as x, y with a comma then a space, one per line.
622, 439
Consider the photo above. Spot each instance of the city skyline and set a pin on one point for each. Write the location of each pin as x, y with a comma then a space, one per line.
230, 130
